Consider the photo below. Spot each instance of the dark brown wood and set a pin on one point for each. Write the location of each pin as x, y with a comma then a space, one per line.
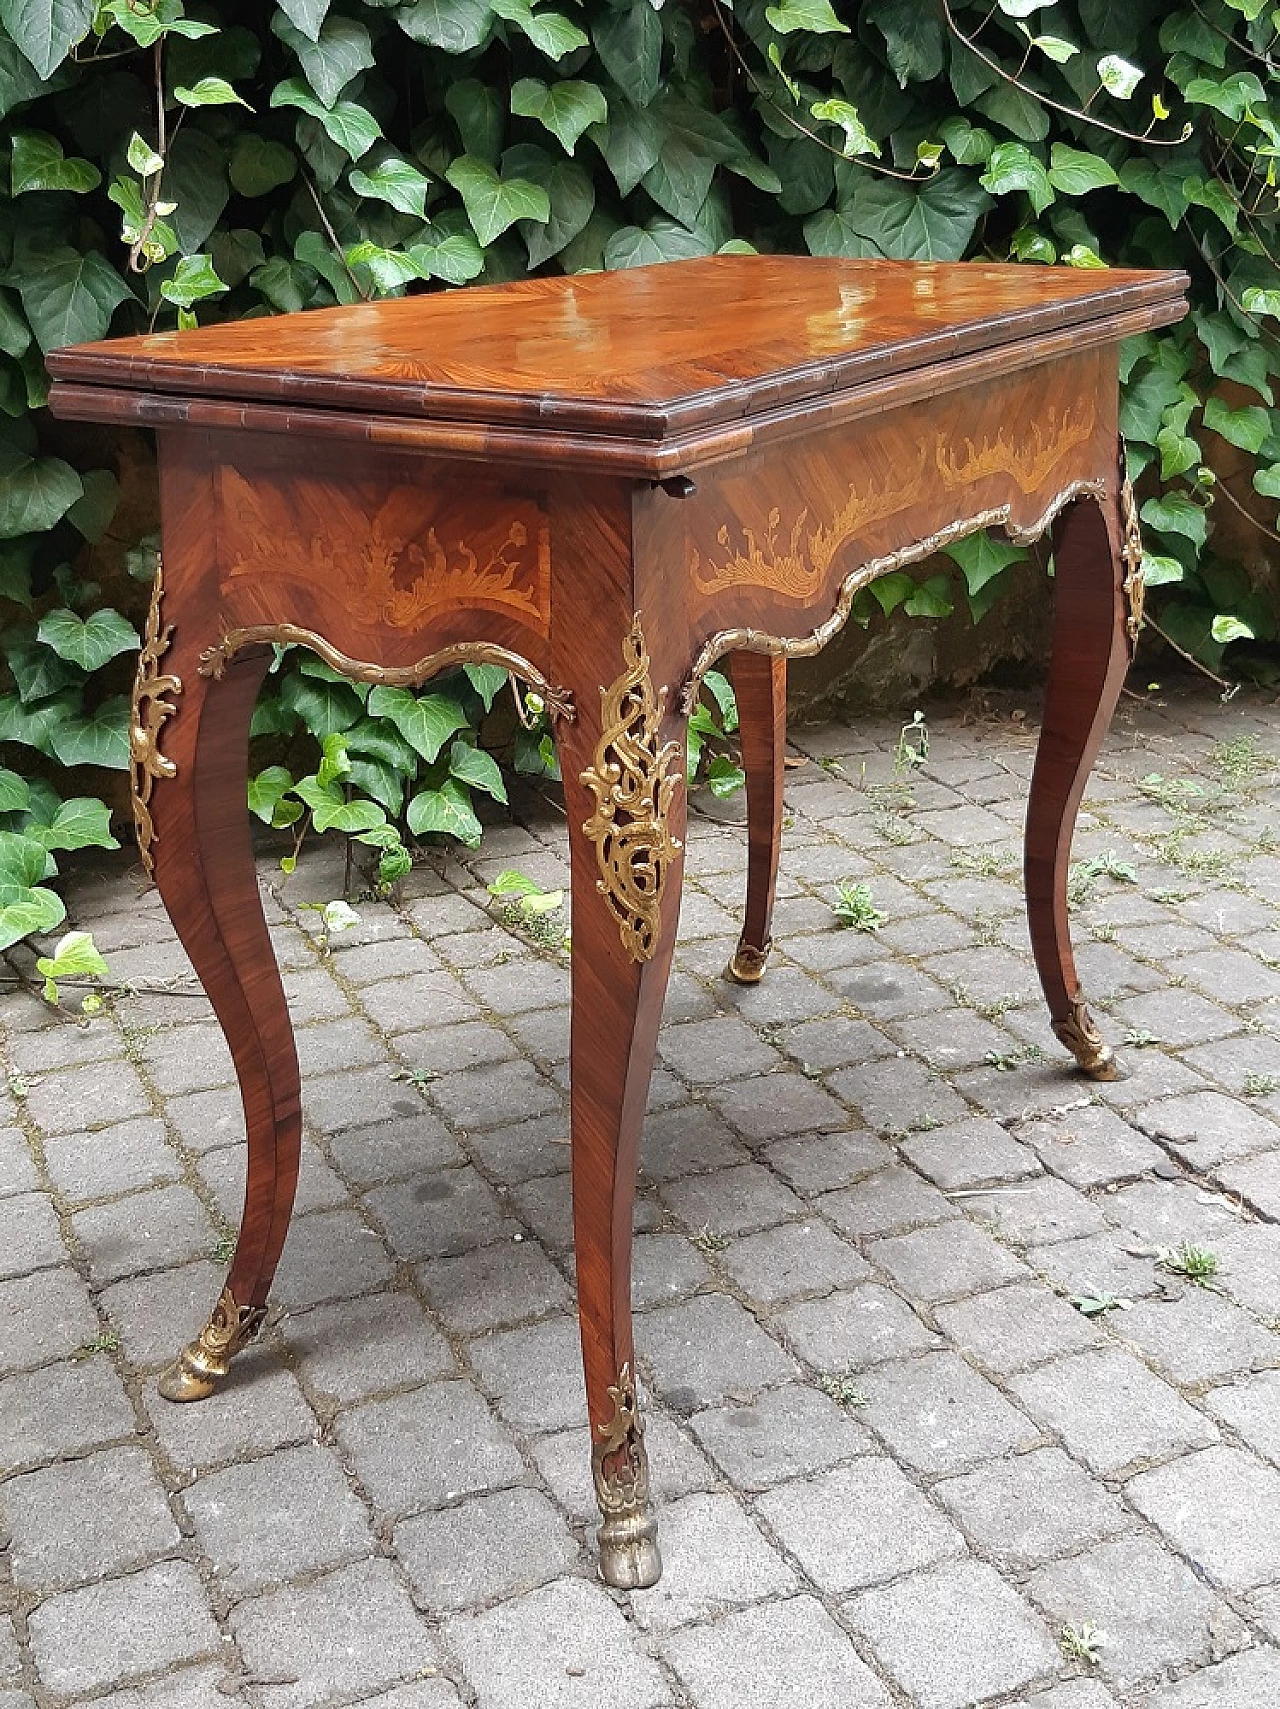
396, 483
760, 684
1090, 658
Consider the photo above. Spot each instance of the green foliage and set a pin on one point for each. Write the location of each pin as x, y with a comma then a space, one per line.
300, 155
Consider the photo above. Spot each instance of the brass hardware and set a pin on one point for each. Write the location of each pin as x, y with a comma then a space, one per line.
1079, 1032
634, 782
747, 963
214, 661
805, 646
149, 711
628, 1534
204, 1362
1135, 587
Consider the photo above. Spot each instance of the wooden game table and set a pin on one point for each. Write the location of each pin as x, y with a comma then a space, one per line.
605, 484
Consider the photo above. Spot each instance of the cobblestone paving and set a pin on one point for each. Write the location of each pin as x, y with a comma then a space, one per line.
895, 1465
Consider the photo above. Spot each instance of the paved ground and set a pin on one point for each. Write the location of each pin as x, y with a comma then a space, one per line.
895, 1465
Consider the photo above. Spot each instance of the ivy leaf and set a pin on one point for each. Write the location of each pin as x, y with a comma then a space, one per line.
209, 92
323, 707
1267, 481
473, 766
81, 823
46, 30
552, 35
395, 182
488, 682
330, 60
445, 811
1249, 428
1076, 173
981, 557
90, 642
1013, 167
815, 17
1022, 8
915, 38
572, 197
1229, 96
71, 297
1178, 453
425, 721
455, 257
565, 109
15, 792
1225, 628
1158, 571
100, 738
1117, 76
193, 280
23, 860
390, 269
1259, 301
857, 139
35, 492
258, 165
1174, 513
629, 43
268, 797
457, 26
25, 912
75, 956
1159, 186
352, 127
725, 777
147, 24
930, 222
494, 203
660, 240
630, 143
305, 15
39, 164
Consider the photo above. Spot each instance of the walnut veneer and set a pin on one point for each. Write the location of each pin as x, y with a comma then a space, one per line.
605, 483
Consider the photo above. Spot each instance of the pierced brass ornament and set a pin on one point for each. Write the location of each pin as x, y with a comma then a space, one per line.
204, 1362
747, 963
214, 661
805, 646
1135, 587
634, 782
628, 1534
149, 711
1079, 1032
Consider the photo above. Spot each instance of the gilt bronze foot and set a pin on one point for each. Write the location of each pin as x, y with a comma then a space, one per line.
204, 1362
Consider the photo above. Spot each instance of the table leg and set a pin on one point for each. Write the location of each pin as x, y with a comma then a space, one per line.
760, 684
1093, 626
190, 741
625, 798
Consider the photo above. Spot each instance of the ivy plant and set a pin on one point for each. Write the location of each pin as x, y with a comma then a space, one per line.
165, 162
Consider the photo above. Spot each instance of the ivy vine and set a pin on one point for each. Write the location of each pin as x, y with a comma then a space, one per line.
165, 162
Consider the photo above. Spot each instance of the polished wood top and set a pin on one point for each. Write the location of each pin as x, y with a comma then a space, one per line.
640, 354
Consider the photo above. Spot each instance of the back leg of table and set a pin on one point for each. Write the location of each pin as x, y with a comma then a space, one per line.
760, 684
1091, 655
207, 878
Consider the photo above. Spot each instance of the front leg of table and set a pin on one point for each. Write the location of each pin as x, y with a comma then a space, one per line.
190, 738
1097, 609
623, 766
760, 684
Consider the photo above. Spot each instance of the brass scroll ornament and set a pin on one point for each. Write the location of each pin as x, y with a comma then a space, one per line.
204, 1362
634, 781
150, 709
629, 1558
214, 661
1135, 587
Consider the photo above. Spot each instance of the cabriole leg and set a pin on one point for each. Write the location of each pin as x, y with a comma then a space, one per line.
624, 792
1097, 608
760, 684
190, 743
